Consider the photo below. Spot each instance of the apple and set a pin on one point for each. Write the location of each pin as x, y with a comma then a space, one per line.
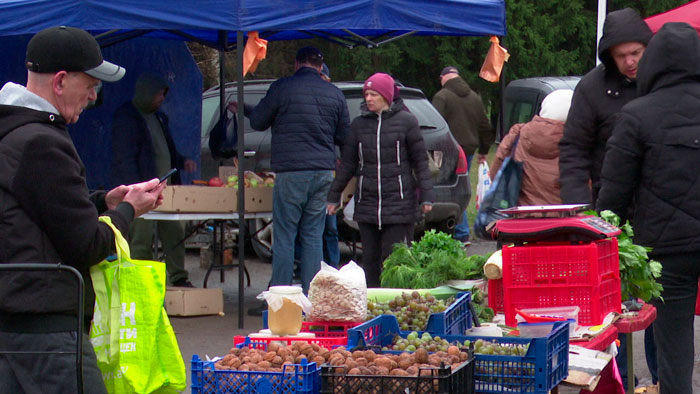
253, 182
215, 181
232, 179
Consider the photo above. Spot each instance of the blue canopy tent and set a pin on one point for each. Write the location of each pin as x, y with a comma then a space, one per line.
221, 24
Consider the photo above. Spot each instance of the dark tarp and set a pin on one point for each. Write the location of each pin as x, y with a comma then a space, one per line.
92, 135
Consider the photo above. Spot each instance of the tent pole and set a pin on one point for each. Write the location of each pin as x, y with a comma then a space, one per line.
502, 100
242, 229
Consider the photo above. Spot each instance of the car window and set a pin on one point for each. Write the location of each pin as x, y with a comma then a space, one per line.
428, 117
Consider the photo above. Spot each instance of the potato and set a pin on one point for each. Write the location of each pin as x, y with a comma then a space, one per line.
405, 362
277, 361
382, 371
273, 347
412, 370
269, 356
382, 361
354, 371
370, 355
453, 350
235, 363
264, 365
361, 361
399, 372
298, 359
421, 355
318, 360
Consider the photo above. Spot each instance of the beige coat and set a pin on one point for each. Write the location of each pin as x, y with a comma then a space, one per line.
538, 150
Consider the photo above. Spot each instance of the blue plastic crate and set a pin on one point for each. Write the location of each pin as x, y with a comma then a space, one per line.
455, 320
545, 364
295, 379
380, 332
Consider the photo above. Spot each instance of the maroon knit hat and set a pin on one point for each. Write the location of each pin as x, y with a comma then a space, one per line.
382, 84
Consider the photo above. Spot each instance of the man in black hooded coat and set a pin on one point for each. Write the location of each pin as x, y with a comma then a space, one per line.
652, 159
597, 100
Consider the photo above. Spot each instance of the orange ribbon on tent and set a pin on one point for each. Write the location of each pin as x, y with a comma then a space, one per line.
493, 64
255, 51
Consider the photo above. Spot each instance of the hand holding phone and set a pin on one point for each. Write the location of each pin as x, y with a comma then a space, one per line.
167, 175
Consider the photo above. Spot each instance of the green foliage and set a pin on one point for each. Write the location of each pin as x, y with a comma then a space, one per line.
638, 273
430, 262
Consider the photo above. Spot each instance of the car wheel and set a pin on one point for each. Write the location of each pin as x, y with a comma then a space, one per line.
261, 231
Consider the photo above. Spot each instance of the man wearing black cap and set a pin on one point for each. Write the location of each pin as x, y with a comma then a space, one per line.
48, 216
464, 112
309, 117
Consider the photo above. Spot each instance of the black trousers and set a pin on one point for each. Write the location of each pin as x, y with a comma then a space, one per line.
673, 328
378, 244
47, 373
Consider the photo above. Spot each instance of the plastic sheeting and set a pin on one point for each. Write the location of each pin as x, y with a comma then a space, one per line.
688, 13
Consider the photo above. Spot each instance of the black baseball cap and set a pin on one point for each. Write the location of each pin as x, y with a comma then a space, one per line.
449, 70
65, 48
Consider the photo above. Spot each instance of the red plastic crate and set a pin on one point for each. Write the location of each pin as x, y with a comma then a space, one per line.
495, 296
261, 343
329, 329
544, 275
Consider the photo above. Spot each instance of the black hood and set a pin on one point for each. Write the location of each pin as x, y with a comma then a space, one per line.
621, 26
673, 55
12, 117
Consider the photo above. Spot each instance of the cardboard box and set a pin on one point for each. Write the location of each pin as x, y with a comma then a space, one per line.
214, 199
198, 199
188, 301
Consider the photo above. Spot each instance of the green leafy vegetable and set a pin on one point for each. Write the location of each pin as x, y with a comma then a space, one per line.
430, 262
638, 273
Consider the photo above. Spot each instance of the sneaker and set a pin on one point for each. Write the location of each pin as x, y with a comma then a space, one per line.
466, 244
257, 310
183, 283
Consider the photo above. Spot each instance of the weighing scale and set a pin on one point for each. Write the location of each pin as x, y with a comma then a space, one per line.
550, 223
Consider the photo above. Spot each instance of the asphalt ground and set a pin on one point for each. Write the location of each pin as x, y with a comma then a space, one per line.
213, 335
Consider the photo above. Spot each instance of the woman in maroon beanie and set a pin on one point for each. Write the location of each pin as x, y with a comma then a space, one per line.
385, 150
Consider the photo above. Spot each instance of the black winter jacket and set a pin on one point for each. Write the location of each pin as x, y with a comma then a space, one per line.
387, 154
653, 156
308, 116
133, 158
47, 216
598, 98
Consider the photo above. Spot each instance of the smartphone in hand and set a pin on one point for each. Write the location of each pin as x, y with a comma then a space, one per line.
167, 175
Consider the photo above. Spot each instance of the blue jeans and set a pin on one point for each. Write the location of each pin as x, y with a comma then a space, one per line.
331, 250
462, 228
649, 354
299, 207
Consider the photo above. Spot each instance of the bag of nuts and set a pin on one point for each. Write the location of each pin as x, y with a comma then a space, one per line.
338, 295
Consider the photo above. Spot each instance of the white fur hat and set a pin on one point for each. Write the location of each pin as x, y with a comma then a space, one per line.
556, 104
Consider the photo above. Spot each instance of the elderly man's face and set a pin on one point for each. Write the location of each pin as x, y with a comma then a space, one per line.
77, 91
626, 57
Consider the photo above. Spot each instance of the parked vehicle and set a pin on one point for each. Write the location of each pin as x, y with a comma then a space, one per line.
523, 98
451, 181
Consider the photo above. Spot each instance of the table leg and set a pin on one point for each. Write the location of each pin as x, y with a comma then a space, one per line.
155, 240
630, 363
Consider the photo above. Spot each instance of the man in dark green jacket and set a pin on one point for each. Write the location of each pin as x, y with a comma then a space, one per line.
464, 112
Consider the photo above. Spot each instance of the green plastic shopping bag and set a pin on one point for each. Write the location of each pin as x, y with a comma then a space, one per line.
135, 344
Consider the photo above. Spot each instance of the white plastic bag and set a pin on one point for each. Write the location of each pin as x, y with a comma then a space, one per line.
483, 183
338, 295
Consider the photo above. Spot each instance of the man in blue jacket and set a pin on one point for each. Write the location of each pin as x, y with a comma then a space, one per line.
308, 116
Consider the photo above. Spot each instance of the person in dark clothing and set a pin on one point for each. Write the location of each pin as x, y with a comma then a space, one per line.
143, 148
598, 98
309, 117
385, 148
464, 112
49, 217
652, 160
